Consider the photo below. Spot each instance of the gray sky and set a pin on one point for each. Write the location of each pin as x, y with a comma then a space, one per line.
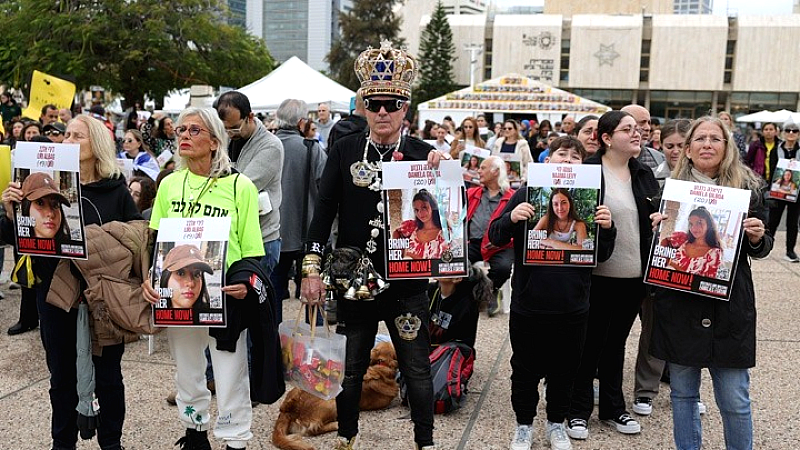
742, 7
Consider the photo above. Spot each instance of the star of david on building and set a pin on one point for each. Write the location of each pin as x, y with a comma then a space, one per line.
606, 55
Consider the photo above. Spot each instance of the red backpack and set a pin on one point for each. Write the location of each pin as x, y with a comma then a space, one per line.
451, 369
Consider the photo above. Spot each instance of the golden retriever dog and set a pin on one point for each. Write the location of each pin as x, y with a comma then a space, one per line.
303, 414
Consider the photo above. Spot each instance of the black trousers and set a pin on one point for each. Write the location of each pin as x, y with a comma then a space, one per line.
28, 311
544, 345
499, 264
792, 215
614, 304
58, 332
358, 320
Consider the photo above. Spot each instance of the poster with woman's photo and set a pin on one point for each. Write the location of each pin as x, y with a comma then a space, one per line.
471, 160
189, 272
49, 220
696, 247
562, 230
513, 168
785, 179
425, 216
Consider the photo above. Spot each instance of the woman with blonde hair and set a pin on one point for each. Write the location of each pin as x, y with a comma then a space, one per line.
104, 198
690, 331
205, 184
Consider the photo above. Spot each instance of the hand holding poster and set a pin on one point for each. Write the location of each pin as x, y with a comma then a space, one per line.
425, 220
696, 247
785, 180
562, 231
189, 272
49, 219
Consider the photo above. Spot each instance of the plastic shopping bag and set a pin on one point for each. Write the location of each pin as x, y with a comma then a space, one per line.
312, 361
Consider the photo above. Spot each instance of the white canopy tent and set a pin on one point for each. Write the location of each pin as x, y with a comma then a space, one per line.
509, 94
296, 79
778, 117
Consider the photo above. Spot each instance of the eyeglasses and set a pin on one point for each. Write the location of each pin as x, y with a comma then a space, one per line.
792, 130
390, 106
129, 141
509, 128
629, 130
715, 140
233, 131
58, 133
194, 130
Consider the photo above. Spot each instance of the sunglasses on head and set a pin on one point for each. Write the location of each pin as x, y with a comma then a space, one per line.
391, 105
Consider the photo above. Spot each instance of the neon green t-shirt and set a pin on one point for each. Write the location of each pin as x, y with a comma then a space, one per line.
184, 194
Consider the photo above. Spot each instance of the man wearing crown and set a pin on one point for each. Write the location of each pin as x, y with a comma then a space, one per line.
351, 187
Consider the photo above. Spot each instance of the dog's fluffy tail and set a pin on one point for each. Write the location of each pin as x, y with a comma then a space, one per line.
285, 441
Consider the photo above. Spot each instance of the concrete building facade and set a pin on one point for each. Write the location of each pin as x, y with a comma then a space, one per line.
676, 65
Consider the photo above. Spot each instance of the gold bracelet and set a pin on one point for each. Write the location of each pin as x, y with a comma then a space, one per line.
309, 270
312, 258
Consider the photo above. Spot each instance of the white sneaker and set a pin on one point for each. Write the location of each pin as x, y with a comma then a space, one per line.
523, 438
557, 436
643, 406
577, 429
702, 407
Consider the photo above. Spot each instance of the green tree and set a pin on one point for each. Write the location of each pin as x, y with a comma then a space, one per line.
367, 24
436, 54
133, 47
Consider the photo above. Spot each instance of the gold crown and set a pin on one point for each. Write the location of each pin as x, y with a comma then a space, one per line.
386, 71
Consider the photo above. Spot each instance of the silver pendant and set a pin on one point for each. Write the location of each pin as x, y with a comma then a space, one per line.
371, 246
447, 256
362, 173
408, 326
377, 185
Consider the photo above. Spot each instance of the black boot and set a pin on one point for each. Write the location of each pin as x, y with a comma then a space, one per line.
194, 440
495, 303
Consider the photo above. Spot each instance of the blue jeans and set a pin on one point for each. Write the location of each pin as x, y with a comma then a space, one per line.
732, 394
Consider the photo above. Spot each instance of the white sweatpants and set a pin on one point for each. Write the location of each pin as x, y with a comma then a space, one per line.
235, 412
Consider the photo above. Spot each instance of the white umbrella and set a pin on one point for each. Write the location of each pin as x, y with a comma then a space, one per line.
780, 116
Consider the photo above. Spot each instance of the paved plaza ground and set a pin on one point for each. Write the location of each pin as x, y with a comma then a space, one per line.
486, 422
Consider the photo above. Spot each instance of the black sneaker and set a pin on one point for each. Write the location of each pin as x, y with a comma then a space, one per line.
194, 440
625, 424
791, 256
577, 429
495, 304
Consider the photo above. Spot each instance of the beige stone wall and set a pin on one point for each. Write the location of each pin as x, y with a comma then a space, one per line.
529, 45
761, 44
467, 30
575, 7
699, 65
605, 51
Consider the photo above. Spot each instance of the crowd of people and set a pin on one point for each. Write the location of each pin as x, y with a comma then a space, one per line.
564, 328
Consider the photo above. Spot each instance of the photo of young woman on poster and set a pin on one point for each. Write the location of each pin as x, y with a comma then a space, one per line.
785, 184
42, 203
183, 274
565, 230
424, 231
699, 248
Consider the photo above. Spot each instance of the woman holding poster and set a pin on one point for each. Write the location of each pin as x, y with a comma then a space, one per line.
204, 186
424, 232
42, 202
627, 188
105, 198
691, 332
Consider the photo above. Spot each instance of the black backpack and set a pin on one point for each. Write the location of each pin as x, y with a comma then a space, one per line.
451, 368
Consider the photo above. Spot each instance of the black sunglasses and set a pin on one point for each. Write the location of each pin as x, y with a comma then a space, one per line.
390, 106
52, 133
792, 130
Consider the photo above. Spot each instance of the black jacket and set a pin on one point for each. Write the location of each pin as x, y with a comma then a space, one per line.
545, 289
254, 313
356, 206
645, 188
347, 126
698, 331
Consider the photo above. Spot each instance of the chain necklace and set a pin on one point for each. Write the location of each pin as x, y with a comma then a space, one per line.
207, 186
365, 173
